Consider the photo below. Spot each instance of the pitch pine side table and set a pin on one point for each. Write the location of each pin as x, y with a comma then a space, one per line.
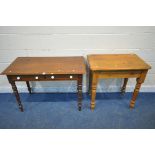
45, 69
116, 66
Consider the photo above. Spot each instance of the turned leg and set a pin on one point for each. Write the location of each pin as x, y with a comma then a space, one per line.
79, 89
139, 80
93, 91
135, 93
15, 91
90, 81
124, 86
28, 87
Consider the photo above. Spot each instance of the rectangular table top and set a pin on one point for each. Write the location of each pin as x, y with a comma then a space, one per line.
46, 65
115, 62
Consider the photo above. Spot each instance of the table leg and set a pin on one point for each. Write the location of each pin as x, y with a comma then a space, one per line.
90, 81
28, 86
79, 89
140, 80
15, 91
93, 91
135, 93
124, 86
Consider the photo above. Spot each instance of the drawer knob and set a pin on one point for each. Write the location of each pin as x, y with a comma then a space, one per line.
18, 78
36, 77
71, 77
52, 77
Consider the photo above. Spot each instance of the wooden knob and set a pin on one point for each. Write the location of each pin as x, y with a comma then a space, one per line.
36, 77
71, 77
52, 77
18, 78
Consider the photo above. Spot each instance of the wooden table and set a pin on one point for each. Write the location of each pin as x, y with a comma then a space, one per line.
116, 66
45, 69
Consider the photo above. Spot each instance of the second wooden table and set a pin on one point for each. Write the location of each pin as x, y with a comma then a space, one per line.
116, 66
46, 69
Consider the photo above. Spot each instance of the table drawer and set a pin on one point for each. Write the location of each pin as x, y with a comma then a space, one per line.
43, 77
27, 77
61, 77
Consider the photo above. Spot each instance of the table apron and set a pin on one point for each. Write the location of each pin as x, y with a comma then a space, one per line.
119, 74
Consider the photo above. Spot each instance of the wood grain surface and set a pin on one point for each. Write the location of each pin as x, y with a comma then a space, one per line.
46, 65
116, 62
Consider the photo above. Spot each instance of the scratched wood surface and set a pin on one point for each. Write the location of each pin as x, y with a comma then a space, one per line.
46, 65
114, 62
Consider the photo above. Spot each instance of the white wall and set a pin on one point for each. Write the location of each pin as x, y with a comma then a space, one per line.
75, 41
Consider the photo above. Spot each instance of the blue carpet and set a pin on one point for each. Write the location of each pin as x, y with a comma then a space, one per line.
59, 111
